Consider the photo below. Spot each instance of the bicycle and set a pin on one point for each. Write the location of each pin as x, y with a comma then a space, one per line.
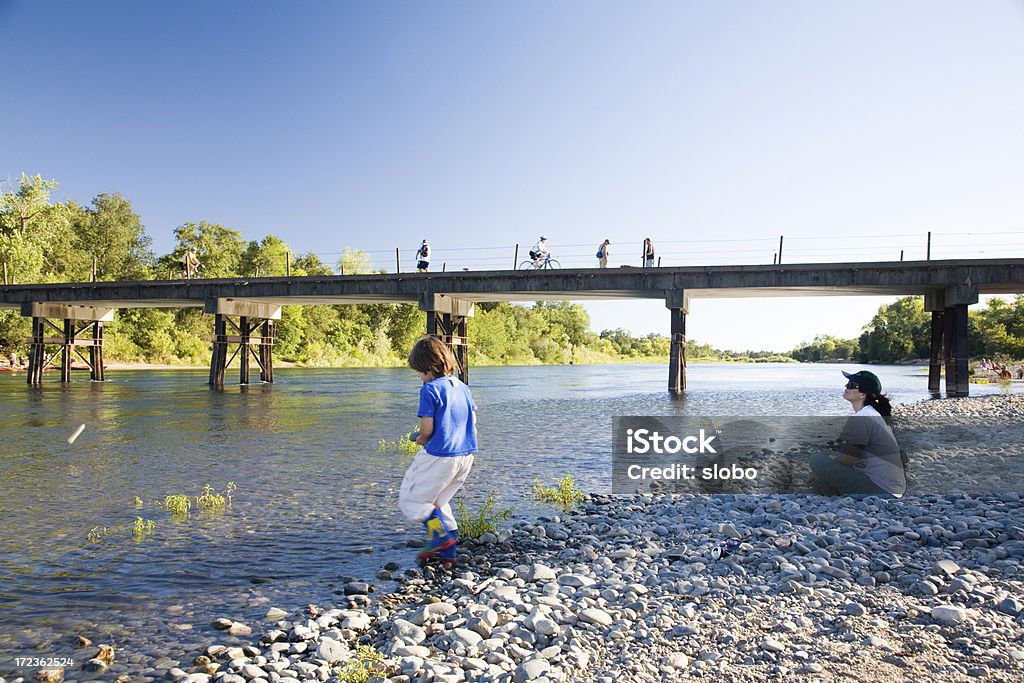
546, 262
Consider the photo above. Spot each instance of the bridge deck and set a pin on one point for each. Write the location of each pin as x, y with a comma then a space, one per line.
900, 278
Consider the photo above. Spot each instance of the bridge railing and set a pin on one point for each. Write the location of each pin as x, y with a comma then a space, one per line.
694, 249
707, 251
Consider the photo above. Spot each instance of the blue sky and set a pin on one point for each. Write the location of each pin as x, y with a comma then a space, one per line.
851, 128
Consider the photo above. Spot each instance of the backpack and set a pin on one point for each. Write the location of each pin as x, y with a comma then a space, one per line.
600, 253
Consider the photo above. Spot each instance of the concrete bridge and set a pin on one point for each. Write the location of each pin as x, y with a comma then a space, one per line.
245, 309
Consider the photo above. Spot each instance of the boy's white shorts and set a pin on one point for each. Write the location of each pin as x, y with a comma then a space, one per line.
433, 480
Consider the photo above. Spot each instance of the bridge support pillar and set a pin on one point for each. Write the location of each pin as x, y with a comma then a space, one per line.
446, 320
252, 317
936, 356
76, 321
678, 304
949, 337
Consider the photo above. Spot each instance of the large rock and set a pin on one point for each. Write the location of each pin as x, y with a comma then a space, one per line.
357, 622
677, 660
575, 580
239, 629
949, 614
466, 637
1011, 606
945, 568
540, 572
595, 615
407, 630
331, 651
433, 611
531, 670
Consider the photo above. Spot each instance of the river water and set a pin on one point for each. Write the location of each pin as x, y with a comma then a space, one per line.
315, 498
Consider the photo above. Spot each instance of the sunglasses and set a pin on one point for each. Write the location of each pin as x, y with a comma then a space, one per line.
852, 385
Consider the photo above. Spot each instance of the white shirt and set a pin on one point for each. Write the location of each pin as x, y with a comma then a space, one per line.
880, 456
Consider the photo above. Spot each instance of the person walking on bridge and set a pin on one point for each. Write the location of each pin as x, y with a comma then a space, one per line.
602, 254
648, 253
190, 264
423, 257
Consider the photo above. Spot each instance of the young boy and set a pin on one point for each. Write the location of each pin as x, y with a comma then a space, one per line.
448, 435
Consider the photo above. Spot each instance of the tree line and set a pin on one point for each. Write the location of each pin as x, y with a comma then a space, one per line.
46, 241
901, 331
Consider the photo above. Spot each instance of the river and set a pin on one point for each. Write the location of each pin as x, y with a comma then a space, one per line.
315, 498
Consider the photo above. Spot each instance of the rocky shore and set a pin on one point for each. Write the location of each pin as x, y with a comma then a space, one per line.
930, 587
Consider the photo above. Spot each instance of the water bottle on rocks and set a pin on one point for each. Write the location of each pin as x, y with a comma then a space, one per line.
730, 546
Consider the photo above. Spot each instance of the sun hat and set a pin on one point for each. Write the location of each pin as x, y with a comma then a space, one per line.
867, 381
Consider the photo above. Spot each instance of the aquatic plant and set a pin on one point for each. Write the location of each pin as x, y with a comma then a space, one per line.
565, 494
473, 526
98, 533
138, 502
211, 500
142, 528
402, 445
139, 530
178, 505
365, 663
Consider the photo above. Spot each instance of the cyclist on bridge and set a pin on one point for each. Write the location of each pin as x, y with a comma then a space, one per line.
539, 251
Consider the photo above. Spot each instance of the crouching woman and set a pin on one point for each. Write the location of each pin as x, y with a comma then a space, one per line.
872, 464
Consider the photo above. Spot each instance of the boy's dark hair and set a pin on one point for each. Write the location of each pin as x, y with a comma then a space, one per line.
432, 356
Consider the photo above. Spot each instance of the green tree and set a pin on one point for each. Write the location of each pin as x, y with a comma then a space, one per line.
34, 233
14, 328
998, 329
354, 262
899, 331
266, 258
824, 348
310, 264
568, 317
112, 233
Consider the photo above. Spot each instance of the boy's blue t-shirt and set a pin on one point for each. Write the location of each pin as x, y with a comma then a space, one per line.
448, 401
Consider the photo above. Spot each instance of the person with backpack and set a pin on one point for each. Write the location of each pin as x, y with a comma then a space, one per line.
423, 257
539, 252
602, 254
648, 253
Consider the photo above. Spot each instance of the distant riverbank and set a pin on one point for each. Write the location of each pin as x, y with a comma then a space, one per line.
138, 365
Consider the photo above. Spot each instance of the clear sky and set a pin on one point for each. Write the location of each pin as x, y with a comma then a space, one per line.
853, 129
